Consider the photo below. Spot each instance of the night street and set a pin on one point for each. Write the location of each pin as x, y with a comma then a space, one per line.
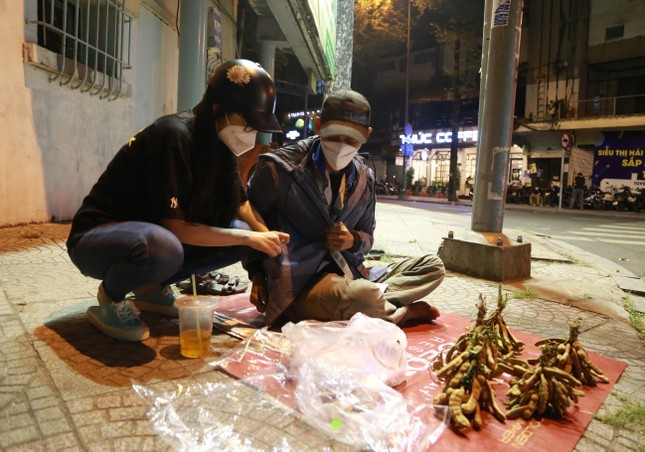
617, 236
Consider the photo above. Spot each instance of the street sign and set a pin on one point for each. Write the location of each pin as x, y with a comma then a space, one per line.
566, 140
407, 149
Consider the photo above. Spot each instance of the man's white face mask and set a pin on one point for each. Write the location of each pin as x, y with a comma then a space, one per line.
239, 139
337, 154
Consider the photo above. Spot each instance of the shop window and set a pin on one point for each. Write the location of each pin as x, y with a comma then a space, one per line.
471, 165
516, 170
442, 168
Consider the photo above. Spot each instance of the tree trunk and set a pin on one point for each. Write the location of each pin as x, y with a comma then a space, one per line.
455, 123
454, 149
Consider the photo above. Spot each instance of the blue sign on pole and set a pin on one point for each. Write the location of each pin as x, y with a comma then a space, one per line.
407, 149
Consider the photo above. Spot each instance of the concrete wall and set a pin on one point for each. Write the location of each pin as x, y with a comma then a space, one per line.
57, 141
604, 14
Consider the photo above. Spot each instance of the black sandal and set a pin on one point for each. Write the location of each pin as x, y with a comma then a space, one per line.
214, 283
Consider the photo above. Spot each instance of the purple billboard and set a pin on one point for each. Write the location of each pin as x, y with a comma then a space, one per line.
619, 160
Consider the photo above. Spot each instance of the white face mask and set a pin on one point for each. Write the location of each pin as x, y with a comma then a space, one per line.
236, 138
337, 154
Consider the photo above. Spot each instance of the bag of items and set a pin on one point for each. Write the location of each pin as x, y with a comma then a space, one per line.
364, 344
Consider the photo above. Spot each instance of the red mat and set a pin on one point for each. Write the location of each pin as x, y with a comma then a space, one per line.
424, 342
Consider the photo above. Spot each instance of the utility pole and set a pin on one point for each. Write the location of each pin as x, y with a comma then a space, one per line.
489, 254
192, 53
404, 190
496, 119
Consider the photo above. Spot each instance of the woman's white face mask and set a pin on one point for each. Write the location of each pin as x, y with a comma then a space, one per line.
237, 138
337, 154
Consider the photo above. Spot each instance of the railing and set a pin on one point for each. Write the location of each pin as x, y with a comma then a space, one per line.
611, 106
596, 107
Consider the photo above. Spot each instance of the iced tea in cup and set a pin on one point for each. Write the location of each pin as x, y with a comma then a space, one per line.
195, 324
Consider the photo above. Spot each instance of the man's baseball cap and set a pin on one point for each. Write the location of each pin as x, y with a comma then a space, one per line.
345, 112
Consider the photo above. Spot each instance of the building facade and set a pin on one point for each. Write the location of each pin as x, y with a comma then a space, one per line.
582, 76
581, 80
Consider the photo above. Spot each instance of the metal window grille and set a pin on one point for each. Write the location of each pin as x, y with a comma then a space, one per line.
92, 38
614, 32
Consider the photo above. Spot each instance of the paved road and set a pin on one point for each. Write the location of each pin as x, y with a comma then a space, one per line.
617, 236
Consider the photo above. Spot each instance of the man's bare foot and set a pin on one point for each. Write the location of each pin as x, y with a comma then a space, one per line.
422, 311
146, 290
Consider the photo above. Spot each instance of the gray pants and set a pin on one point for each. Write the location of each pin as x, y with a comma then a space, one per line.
578, 193
334, 297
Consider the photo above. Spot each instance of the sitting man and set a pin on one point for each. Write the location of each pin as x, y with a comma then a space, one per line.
322, 194
536, 199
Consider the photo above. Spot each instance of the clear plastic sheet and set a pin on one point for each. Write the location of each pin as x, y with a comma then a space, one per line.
365, 412
206, 416
345, 404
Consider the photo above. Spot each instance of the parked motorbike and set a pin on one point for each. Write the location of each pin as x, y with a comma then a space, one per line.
639, 200
385, 188
589, 198
566, 196
552, 196
624, 199
602, 200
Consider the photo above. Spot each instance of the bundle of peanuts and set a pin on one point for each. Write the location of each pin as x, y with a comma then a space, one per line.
544, 386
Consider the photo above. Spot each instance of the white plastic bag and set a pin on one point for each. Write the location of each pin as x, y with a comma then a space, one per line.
365, 345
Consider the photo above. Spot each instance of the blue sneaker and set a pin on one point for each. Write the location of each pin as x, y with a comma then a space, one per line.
118, 320
160, 301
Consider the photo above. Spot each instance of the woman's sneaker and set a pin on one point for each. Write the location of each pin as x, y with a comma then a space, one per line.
160, 301
118, 320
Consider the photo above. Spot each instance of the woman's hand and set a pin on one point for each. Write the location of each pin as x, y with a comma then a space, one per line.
270, 243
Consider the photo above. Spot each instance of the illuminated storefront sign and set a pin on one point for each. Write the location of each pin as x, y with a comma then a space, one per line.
620, 160
294, 124
441, 137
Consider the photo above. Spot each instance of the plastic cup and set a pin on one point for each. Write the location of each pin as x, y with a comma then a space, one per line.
195, 324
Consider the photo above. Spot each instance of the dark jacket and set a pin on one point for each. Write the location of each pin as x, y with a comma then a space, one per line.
283, 189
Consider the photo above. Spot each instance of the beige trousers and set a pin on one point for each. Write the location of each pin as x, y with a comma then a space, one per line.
334, 297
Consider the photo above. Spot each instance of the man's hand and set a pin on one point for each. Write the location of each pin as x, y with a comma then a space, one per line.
259, 295
338, 237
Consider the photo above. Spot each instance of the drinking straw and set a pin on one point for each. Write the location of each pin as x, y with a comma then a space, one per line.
197, 325
192, 278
